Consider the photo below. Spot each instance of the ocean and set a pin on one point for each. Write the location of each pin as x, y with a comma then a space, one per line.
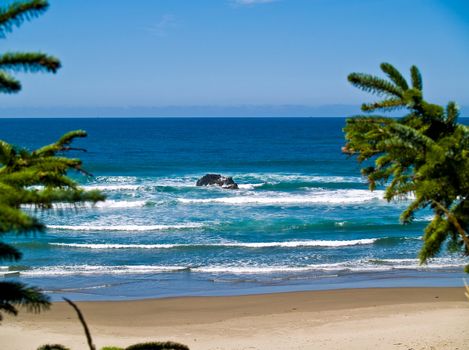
302, 219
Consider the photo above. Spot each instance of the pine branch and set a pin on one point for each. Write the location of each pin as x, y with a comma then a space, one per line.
18, 294
375, 85
7, 252
18, 12
6, 152
46, 198
433, 238
408, 214
411, 136
14, 220
168, 345
29, 62
454, 221
52, 347
61, 144
386, 105
416, 78
452, 113
394, 75
18, 180
24, 171
8, 84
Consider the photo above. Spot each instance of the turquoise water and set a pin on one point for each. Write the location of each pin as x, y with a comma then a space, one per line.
302, 218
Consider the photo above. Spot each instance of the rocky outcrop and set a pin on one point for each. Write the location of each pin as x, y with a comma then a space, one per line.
217, 180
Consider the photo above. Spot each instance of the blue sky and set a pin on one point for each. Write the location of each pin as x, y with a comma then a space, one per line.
151, 53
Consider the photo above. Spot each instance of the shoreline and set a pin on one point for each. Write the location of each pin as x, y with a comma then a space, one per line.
183, 284
333, 319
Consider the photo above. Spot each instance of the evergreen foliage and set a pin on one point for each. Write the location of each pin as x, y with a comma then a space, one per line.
423, 156
158, 346
151, 346
52, 347
37, 180
13, 16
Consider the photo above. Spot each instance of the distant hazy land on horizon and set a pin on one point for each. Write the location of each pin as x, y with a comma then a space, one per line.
193, 111
302, 219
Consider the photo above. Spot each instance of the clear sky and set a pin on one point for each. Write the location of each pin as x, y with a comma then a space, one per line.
125, 54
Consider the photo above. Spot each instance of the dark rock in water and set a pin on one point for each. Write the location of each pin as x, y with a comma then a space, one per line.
218, 180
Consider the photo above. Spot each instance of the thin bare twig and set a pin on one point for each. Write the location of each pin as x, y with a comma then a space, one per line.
83, 322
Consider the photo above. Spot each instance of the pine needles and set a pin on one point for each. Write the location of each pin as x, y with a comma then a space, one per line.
12, 16
423, 155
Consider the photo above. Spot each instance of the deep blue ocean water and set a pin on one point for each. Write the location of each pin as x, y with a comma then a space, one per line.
302, 219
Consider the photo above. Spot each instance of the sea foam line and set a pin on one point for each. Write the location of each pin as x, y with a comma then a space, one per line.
288, 244
130, 183
357, 266
117, 183
111, 187
317, 197
109, 203
281, 178
125, 227
67, 270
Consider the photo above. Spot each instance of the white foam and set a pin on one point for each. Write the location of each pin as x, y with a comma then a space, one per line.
132, 183
244, 270
125, 227
184, 181
111, 187
363, 265
117, 246
249, 186
351, 196
426, 218
109, 203
115, 179
279, 178
311, 243
288, 244
351, 266
67, 270
120, 204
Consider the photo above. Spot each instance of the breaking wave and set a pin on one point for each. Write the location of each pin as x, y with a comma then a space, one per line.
126, 227
314, 197
289, 244
363, 265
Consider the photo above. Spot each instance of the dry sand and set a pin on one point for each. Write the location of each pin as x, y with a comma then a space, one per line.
391, 318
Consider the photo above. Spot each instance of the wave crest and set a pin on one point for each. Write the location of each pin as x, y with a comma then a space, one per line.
314, 197
364, 266
288, 244
126, 227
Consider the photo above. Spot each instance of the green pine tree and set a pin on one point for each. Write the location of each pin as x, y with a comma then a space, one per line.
36, 179
423, 156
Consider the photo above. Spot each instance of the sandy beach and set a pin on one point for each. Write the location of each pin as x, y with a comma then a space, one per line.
392, 318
